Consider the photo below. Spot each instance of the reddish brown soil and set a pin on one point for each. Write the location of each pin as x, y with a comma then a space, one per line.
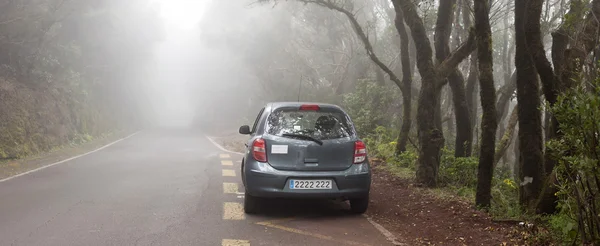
418, 218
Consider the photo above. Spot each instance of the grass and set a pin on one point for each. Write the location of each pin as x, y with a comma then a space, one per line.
443, 193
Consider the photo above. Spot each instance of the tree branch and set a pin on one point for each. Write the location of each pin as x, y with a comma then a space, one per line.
361, 35
464, 50
590, 32
536, 47
419, 36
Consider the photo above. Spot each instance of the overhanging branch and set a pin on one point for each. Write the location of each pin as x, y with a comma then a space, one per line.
464, 50
361, 35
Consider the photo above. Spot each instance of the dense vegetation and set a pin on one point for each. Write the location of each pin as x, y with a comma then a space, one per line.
433, 87
68, 71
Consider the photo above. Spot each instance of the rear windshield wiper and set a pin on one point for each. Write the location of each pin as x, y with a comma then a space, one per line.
305, 137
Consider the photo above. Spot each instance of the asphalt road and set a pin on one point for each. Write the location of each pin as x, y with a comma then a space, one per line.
162, 188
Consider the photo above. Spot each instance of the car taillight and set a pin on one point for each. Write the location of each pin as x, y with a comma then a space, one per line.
360, 152
259, 150
310, 107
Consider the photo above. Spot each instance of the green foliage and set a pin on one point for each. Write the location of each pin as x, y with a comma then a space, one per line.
578, 152
381, 142
563, 228
505, 196
81, 139
456, 175
370, 106
457, 171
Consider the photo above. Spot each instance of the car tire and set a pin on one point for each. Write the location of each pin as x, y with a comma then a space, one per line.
359, 205
242, 172
250, 204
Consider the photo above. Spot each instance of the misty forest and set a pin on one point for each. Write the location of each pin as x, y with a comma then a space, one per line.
494, 102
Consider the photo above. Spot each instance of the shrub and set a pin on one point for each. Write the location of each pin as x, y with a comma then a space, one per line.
459, 172
381, 142
505, 194
578, 170
371, 106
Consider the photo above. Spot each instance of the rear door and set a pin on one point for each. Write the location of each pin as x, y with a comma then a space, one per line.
288, 145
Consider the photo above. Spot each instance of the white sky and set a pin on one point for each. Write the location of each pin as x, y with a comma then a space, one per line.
175, 60
181, 14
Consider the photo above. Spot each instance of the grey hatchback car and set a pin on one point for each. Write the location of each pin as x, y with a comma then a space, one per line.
305, 150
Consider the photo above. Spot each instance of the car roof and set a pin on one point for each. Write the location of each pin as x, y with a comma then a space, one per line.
276, 105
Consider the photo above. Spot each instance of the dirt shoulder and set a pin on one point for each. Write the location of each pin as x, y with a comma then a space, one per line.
421, 218
416, 216
15, 167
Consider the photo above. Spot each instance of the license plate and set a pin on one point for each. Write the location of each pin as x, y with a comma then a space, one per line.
299, 184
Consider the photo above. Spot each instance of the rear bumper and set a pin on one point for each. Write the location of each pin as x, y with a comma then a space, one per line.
262, 180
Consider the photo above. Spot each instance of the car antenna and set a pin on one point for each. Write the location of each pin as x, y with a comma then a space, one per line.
299, 87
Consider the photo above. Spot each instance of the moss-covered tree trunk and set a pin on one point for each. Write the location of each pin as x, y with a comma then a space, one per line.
544, 69
487, 93
431, 138
406, 82
471, 96
531, 157
567, 56
456, 81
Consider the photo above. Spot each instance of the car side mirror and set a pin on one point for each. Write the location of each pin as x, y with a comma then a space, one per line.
245, 130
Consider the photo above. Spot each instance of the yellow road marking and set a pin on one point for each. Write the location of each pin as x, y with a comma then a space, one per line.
230, 188
227, 163
228, 173
232, 242
224, 156
233, 211
310, 234
275, 221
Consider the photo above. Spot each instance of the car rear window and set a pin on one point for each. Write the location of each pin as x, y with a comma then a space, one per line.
321, 124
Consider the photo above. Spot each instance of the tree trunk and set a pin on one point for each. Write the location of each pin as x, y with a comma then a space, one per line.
510, 83
531, 159
567, 69
506, 137
516, 169
406, 81
471, 96
449, 113
503, 103
471, 93
505, 46
431, 138
437, 117
464, 133
487, 93
458, 28
464, 129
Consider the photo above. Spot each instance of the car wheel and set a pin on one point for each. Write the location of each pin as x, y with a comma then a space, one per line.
242, 172
250, 203
359, 205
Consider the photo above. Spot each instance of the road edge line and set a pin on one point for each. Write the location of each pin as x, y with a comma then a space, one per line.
68, 159
387, 234
221, 147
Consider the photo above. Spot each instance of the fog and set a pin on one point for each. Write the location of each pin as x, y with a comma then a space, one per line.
219, 62
193, 80
200, 63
